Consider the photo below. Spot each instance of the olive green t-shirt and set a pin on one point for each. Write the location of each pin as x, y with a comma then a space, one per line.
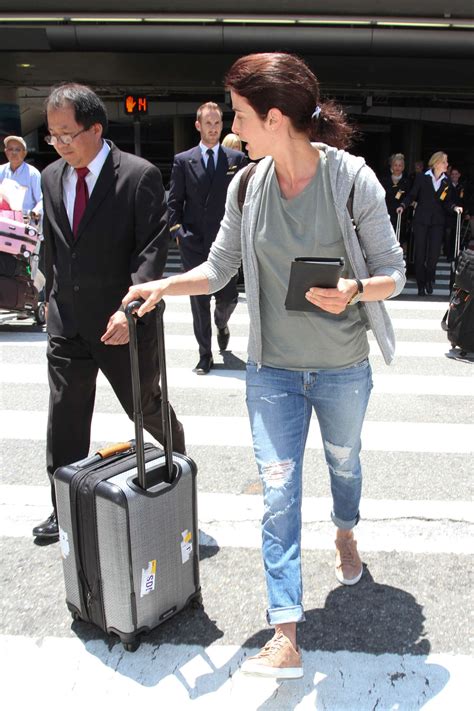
303, 226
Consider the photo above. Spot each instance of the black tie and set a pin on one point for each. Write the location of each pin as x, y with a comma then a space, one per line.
211, 168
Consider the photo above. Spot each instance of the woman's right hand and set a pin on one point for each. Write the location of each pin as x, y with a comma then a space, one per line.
151, 292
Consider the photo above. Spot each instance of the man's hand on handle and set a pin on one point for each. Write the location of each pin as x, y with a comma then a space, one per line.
116, 333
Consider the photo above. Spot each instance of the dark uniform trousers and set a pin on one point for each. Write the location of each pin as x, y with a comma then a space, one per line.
73, 366
226, 301
428, 239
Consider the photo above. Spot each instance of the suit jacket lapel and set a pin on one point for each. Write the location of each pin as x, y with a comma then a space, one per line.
57, 199
197, 166
104, 183
222, 164
442, 186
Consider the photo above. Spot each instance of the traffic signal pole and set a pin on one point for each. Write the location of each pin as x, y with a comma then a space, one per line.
137, 134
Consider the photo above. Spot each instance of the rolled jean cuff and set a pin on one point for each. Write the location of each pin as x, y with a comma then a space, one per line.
345, 525
281, 615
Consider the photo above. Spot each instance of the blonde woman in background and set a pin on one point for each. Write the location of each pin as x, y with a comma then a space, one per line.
232, 141
435, 200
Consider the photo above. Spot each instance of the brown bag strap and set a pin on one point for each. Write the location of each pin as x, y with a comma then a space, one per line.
247, 173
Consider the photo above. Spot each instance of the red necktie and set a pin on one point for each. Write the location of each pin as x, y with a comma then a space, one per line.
82, 196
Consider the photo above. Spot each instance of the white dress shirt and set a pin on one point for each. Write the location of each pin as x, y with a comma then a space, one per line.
436, 182
70, 179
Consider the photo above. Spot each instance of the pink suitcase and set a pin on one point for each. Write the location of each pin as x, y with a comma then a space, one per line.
16, 236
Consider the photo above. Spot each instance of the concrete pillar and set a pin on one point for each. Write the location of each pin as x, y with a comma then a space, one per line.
10, 121
412, 143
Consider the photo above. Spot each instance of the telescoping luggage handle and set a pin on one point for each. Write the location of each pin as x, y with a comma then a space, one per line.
137, 401
399, 223
457, 246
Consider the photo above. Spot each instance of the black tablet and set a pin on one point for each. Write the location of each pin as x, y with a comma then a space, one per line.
307, 272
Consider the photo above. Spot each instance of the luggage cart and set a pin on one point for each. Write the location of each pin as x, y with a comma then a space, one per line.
21, 292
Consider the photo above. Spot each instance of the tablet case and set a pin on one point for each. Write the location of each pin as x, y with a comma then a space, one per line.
307, 272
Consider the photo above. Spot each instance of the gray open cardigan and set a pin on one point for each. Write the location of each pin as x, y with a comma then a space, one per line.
373, 252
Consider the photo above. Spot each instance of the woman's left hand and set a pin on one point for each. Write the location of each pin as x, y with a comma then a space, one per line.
333, 300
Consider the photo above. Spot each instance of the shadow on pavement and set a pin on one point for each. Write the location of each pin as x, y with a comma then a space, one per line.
230, 362
384, 625
365, 649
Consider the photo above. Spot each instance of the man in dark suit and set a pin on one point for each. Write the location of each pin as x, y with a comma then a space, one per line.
198, 188
105, 228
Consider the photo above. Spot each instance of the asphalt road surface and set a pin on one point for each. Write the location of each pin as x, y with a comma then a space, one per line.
400, 639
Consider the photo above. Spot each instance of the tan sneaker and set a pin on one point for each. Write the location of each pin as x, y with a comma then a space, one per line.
277, 659
348, 563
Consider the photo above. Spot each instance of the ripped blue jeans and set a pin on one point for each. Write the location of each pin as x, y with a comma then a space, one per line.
280, 404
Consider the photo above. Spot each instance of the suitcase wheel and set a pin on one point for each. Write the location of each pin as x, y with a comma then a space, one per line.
76, 616
40, 314
131, 646
196, 603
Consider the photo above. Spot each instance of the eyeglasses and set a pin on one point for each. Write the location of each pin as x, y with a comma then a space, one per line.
65, 140
14, 150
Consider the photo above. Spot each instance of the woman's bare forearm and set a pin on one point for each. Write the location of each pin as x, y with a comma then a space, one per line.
190, 283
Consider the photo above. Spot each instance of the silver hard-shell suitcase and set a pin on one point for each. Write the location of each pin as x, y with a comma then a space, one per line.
128, 526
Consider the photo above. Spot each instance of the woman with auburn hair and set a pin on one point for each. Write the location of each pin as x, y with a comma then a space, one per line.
296, 204
435, 200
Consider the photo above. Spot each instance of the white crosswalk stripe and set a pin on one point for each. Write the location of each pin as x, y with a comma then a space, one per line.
417, 517
235, 380
417, 349
235, 431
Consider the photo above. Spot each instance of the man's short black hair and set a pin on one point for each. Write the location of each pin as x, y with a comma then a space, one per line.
88, 107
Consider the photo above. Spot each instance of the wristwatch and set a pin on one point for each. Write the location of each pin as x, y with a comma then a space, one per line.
358, 294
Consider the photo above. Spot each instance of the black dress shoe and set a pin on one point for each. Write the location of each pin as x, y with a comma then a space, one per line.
421, 291
205, 364
223, 335
429, 288
47, 529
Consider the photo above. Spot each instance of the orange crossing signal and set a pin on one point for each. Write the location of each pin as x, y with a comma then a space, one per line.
135, 104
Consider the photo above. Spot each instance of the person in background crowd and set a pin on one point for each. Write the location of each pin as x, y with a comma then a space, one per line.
459, 198
198, 188
396, 186
232, 141
435, 199
29, 179
296, 204
418, 169
105, 227
22, 173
